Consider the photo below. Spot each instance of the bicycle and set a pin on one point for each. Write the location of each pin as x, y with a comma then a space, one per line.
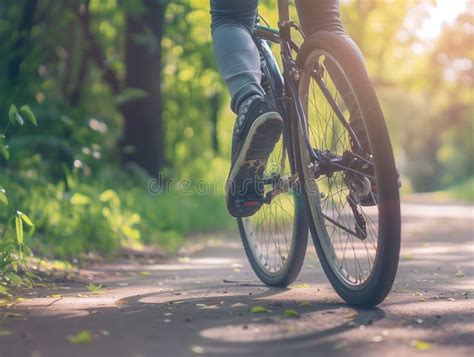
332, 171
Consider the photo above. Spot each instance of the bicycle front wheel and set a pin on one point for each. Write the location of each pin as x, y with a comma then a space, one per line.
353, 202
275, 238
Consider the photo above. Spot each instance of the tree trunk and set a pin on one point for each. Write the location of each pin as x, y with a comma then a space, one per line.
13, 85
143, 141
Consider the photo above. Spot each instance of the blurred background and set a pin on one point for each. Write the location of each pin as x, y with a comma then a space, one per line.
125, 90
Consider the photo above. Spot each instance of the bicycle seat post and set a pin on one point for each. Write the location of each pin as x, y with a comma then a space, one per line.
284, 18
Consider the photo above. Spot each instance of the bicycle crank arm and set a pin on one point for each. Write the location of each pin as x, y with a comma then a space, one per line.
283, 185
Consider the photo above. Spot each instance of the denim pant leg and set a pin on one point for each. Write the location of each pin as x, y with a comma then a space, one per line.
323, 15
237, 56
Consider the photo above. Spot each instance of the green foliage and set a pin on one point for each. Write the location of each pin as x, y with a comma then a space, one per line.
14, 252
79, 215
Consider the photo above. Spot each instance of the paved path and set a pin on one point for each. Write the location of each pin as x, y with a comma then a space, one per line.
200, 305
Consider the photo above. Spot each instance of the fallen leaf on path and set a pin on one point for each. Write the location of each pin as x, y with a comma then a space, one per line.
11, 315
200, 305
5, 303
340, 346
352, 315
82, 337
238, 304
82, 296
259, 310
144, 273
460, 274
95, 288
5, 333
121, 284
197, 349
184, 259
20, 299
304, 303
300, 286
377, 338
291, 313
421, 345
55, 296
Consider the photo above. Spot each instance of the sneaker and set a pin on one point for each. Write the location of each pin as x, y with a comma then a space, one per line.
257, 129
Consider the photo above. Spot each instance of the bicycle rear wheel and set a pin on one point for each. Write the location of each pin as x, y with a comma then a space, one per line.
353, 208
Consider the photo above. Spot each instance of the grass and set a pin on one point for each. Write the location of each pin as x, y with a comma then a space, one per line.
79, 215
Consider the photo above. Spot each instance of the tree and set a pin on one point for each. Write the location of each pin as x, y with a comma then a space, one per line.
143, 141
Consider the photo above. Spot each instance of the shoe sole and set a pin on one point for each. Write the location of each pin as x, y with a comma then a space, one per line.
252, 160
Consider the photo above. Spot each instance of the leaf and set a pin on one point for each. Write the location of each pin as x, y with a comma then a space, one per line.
25, 218
144, 273
5, 152
82, 337
300, 286
259, 310
5, 303
95, 288
238, 304
121, 284
304, 303
79, 199
19, 229
5, 333
129, 94
10, 315
26, 112
291, 313
199, 350
421, 345
108, 195
55, 296
460, 274
3, 197
13, 278
12, 112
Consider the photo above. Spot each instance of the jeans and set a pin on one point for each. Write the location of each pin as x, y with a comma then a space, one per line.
236, 54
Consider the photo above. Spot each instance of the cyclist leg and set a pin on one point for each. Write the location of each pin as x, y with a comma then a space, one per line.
322, 15
258, 125
236, 54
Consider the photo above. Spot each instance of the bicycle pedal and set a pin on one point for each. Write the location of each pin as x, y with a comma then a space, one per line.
249, 201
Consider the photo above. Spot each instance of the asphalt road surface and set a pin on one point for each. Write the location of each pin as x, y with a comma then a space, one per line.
200, 305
